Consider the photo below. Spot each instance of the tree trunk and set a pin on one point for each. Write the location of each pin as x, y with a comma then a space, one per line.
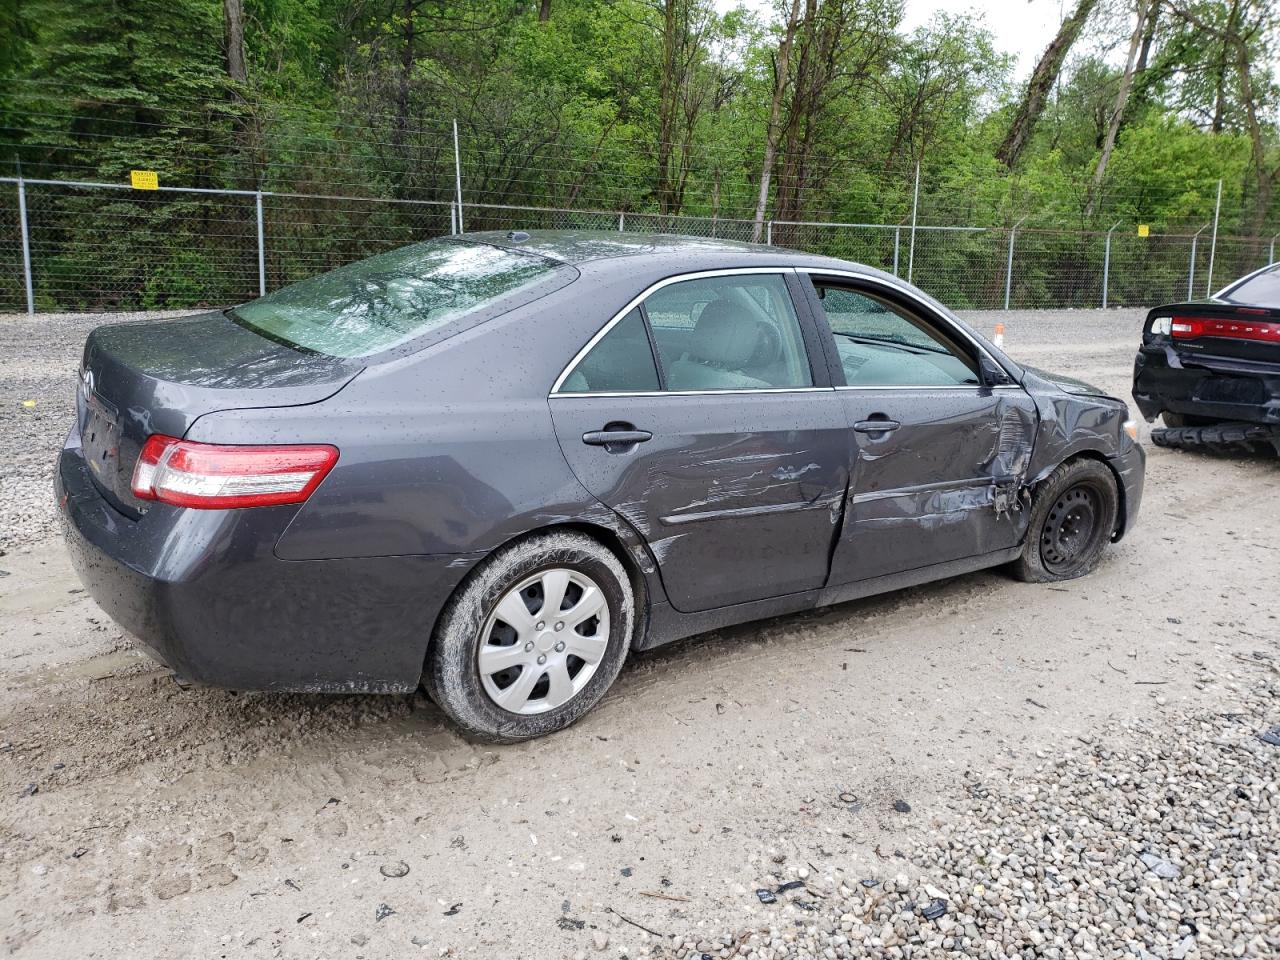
400, 134
1117, 111
668, 96
1042, 80
1221, 67
1149, 37
233, 23
544, 11
775, 112
1262, 200
798, 111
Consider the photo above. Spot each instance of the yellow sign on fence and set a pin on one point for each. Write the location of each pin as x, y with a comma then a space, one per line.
144, 180
1144, 230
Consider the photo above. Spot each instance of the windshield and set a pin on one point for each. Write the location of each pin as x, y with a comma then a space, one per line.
374, 304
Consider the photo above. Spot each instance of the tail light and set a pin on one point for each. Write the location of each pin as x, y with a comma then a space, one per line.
213, 477
1188, 328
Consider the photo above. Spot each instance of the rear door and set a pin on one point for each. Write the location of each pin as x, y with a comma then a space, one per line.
938, 454
699, 417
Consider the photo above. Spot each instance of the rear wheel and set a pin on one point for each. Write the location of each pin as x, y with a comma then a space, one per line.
1072, 518
533, 639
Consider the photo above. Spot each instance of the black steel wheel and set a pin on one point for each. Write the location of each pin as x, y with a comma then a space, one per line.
1071, 528
1073, 515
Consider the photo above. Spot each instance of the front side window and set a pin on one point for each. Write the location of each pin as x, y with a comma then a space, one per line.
735, 332
374, 304
882, 345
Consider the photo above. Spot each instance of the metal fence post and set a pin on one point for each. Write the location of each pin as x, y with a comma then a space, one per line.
915, 206
1008, 270
1106, 265
897, 242
457, 172
26, 245
768, 233
453, 219
262, 250
1213, 245
1191, 269
1271, 257
622, 221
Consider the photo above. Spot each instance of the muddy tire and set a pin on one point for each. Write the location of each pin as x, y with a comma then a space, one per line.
1073, 514
532, 639
1219, 438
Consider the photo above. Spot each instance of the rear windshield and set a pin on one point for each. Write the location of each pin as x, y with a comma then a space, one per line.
372, 305
1262, 289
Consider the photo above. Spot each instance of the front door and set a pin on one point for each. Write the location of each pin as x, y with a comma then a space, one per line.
938, 454
729, 453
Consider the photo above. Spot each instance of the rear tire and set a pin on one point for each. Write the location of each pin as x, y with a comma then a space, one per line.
499, 665
1073, 515
1177, 420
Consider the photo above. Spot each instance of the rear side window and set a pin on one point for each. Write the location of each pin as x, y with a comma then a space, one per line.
374, 304
1262, 289
621, 362
737, 332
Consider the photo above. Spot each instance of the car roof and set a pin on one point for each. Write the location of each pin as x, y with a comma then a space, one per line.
584, 246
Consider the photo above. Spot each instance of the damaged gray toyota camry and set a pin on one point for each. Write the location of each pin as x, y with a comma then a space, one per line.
494, 464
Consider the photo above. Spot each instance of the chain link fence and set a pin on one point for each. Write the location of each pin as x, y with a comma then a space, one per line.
100, 246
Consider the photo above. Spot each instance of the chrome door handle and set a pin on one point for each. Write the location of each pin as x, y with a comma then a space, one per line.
623, 438
876, 426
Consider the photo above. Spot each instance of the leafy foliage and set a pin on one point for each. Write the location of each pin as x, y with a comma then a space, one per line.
653, 107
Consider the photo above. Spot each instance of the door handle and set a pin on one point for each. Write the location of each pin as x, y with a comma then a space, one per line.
876, 425
621, 438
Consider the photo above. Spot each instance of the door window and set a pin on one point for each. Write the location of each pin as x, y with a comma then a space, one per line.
735, 332
621, 362
882, 345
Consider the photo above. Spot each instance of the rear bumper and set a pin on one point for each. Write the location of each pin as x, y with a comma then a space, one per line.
205, 593
1221, 391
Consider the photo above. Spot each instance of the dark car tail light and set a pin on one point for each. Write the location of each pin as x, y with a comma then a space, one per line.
213, 477
1188, 328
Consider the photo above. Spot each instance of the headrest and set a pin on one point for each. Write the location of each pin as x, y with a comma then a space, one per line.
722, 335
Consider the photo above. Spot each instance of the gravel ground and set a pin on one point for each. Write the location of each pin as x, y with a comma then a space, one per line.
1152, 839
975, 768
39, 358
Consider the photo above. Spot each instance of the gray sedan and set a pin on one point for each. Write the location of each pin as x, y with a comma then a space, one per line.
495, 464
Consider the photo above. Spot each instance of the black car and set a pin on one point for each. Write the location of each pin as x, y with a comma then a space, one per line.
496, 464
1211, 368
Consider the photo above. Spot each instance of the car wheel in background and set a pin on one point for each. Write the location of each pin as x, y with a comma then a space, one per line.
1073, 515
533, 638
1184, 420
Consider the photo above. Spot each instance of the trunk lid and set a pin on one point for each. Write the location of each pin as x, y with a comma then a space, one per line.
1210, 350
137, 379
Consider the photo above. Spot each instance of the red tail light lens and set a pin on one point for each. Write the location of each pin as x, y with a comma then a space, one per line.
213, 477
1188, 328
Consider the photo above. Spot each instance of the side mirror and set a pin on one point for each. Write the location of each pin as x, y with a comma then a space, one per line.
993, 375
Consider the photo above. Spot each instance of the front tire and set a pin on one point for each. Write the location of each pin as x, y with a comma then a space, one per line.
533, 639
1073, 516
